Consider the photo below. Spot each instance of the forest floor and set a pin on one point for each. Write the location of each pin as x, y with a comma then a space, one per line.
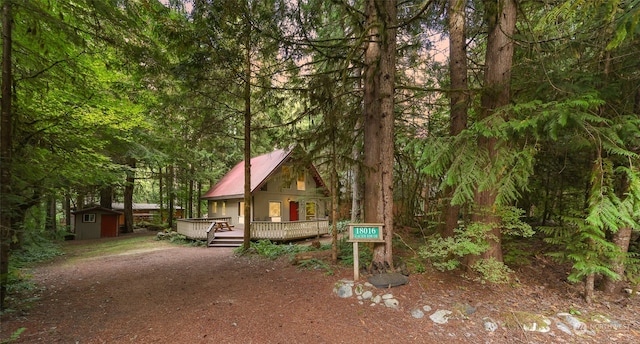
157, 292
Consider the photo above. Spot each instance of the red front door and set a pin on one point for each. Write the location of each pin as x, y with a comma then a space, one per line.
293, 211
108, 225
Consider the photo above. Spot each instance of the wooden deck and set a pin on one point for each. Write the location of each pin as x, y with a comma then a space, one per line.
207, 229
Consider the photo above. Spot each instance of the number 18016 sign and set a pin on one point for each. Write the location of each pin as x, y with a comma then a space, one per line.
365, 232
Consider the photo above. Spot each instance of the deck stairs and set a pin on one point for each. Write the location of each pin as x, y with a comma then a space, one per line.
226, 238
226, 242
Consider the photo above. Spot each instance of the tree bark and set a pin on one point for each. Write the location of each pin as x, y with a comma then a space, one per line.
128, 195
6, 143
501, 18
247, 134
379, 87
459, 96
106, 196
171, 194
621, 239
51, 223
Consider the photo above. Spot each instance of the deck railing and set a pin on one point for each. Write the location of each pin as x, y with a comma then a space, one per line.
197, 228
284, 231
277, 231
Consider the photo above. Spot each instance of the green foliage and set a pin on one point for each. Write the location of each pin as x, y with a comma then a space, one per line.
35, 252
271, 250
632, 270
492, 271
445, 253
14, 336
584, 246
179, 239
19, 282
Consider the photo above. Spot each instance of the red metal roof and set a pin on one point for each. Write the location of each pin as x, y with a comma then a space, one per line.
232, 184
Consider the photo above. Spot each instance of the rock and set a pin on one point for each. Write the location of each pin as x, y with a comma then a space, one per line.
426, 308
578, 326
564, 328
359, 289
376, 299
417, 313
367, 295
489, 325
388, 280
538, 326
387, 296
464, 309
391, 303
343, 289
440, 316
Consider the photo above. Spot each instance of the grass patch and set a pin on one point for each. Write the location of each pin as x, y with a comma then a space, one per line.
110, 247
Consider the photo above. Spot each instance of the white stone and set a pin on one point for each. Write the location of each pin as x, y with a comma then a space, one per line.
344, 291
376, 299
367, 295
387, 296
391, 303
417, 313
440, 316
490, 325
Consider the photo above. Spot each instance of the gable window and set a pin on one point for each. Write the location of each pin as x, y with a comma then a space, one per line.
89, 218
286, 177
300, 184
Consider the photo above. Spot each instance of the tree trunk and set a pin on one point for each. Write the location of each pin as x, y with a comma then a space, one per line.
192, 171
6, 142
198, 205
589, 284
501, 18
67, 210
459, 96
51, 224
128, 195
247, 135
356, 201
379, 84
621, 239
106, 196
161, 193
334, 202
171, 194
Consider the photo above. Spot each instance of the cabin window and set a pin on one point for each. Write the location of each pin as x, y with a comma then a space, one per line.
89, 218
301, 183
286, 172
214, 207
224, 208
275, 209
286, 177
240, 208
310, 211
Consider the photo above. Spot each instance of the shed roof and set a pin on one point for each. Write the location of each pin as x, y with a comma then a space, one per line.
141, 206
94, 209
232, 184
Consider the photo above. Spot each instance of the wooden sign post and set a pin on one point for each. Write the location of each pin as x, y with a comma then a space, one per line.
363, 232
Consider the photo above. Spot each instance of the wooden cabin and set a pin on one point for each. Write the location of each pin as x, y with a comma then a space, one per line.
288, 200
